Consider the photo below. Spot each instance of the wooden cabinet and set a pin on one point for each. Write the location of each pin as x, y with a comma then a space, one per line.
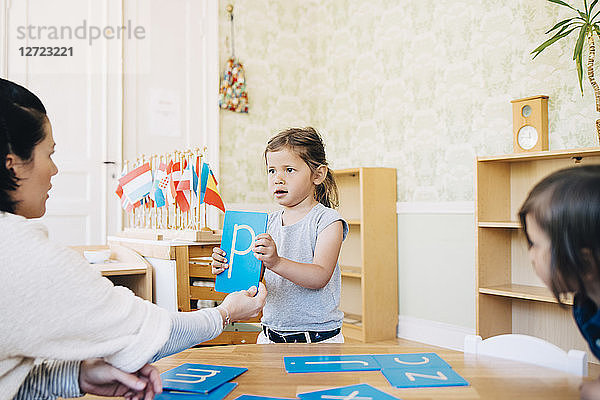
126, 268
510, 297
369, 255
191, 264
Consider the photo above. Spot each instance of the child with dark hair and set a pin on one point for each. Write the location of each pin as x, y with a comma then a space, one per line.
561, 221
300, 251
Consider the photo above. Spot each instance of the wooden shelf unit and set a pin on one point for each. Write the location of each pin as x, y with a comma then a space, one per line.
369, 255
510, 298
125, 267
192, 262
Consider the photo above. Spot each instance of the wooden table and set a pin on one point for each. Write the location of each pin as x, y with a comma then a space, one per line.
490, 378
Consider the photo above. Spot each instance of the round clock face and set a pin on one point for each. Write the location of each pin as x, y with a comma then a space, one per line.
527, 137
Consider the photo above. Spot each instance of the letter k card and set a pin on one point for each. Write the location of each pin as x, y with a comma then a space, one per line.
361, 391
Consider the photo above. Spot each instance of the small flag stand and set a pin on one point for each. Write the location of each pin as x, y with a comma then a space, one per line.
163, 195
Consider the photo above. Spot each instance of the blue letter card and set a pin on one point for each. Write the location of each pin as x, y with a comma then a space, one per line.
359, 362
198, 378
217, 394
423, 376
387, 361
239, 232
362, 392
251, 397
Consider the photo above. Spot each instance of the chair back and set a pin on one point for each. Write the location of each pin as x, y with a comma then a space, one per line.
528, 349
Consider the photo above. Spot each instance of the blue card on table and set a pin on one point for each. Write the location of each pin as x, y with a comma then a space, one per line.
239, 232
423, 376
198, 378
217, 394
360, 362
251, 397
362, 391
409, 360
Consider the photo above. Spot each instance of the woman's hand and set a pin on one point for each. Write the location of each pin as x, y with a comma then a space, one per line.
590, 390
244, 304
266, 251
219, 262
100, 378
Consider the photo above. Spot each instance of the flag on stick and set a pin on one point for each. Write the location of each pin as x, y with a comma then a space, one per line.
137, 183
209, 193
159, 185
186, 178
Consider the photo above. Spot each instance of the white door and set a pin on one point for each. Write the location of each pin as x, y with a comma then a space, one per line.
82, 92
171, 80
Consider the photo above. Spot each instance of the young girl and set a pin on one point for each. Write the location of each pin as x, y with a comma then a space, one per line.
561, 221
300, 250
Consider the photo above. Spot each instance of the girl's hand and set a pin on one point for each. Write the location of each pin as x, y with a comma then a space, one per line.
245, 304
100, 378
266, 251
219, 262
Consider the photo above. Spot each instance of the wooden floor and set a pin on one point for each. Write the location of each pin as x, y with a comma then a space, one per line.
594, 369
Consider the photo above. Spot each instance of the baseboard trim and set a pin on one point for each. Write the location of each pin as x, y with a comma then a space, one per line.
435, 207
433, 332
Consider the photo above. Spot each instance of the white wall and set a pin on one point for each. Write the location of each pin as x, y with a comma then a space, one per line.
436, 267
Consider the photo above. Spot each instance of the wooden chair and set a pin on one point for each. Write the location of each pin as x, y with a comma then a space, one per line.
528, 349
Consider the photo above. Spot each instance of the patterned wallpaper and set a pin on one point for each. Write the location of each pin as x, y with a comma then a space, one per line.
423, 86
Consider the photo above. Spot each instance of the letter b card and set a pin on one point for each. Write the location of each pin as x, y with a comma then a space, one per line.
240, 229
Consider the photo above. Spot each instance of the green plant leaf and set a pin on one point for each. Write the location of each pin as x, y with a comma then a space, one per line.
592, 6
587, 12
580, 40
575, 24
578, 54
550, 41
561, 23
562, 3
578, 64
594, 17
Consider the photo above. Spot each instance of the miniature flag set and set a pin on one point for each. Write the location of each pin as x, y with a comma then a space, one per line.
166, 192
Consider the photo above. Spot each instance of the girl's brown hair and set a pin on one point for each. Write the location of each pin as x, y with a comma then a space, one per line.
566, 206
307, 143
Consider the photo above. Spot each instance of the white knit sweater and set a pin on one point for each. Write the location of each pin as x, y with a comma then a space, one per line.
54, 306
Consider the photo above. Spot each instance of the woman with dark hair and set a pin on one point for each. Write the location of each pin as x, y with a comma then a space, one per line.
55, 308
561, 221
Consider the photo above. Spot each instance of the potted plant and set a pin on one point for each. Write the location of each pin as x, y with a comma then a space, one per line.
585, 25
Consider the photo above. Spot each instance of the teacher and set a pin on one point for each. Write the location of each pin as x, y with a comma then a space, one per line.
53, 306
